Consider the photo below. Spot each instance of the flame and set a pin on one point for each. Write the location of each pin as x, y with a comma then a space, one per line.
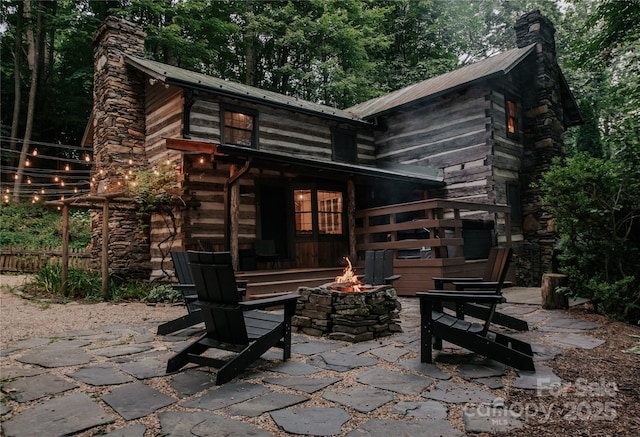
349, 277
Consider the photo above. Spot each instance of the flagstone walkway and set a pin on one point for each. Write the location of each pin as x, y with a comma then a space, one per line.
111, 381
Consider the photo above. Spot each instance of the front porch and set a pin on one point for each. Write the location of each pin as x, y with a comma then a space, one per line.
429, 238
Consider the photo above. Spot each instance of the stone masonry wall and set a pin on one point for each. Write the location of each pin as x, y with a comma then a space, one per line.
543, 135
118, 142
347, 316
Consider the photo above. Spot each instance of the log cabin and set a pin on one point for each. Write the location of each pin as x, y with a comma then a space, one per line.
438, 171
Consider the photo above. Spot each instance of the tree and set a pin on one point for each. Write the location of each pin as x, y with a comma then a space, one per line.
34, 40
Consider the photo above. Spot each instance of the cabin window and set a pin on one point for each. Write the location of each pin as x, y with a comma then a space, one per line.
344, 146
318, 211
239, 128
512, 118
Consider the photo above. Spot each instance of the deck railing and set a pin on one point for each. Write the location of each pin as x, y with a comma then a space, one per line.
430, 230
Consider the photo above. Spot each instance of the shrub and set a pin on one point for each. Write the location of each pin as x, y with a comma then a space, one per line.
596, 205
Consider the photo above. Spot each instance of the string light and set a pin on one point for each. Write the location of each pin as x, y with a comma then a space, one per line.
27, 163
67, 167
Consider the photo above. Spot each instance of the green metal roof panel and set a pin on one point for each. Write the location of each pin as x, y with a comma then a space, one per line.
499, 64
181, 77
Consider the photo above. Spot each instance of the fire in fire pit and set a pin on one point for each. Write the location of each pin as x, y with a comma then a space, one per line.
348, 281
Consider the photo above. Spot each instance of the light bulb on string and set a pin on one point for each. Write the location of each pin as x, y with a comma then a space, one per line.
87, 158
34, 152
28, 180
62, 183
67, 167
27, 163
56, 179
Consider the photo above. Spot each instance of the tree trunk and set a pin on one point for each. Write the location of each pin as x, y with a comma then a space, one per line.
34, 53
17, 79
551, 299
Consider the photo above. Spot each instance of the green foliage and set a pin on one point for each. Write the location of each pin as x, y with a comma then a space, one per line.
596, 205
81, 284
35, 226
155, 191
87, 285
162, 293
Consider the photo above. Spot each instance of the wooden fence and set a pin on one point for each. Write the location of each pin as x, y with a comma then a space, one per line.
23, 260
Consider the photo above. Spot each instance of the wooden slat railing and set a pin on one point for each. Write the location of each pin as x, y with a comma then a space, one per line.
24, 260
435, 224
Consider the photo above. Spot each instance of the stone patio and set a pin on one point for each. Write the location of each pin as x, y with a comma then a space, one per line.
100, 380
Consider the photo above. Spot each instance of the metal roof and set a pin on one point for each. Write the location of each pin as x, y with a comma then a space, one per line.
425, 175
499, 64
190, 79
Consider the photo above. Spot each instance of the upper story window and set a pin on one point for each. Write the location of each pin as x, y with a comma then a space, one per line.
344, 146
512, 118
239, 128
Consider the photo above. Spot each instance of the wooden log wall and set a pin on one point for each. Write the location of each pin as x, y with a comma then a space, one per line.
279, 131
452, 133
164, 108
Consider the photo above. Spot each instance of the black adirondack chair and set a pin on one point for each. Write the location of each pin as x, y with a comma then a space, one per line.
233, 325
188, 289
497, 264
436, 325
378, 267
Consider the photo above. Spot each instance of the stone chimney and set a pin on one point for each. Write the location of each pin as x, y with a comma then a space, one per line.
118, 143
543, 132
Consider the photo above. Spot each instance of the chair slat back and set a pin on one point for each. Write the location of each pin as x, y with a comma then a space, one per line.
215, 283
181, 267
497, 263
378, 265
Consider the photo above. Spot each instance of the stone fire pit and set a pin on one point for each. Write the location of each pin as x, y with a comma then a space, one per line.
349, 316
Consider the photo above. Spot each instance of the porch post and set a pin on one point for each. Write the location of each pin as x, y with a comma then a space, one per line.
234, 214
351, 210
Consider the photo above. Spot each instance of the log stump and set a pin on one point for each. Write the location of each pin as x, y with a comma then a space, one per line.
551, 299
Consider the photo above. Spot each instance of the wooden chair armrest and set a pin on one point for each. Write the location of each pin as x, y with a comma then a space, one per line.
439, 282
488, 285
390, 279
439, 296
270, 301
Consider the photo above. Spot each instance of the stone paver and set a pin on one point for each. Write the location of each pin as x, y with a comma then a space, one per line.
61, 353
265, 403
225, 395
34, 387
416, 428
58, 417
311, 421
421, 410
100, 374
341, 362
302, 383
457, 393
205, 424
135, 430
136, 400
395, 381
360, 399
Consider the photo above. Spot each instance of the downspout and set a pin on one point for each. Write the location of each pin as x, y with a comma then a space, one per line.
186, 122
227, 202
